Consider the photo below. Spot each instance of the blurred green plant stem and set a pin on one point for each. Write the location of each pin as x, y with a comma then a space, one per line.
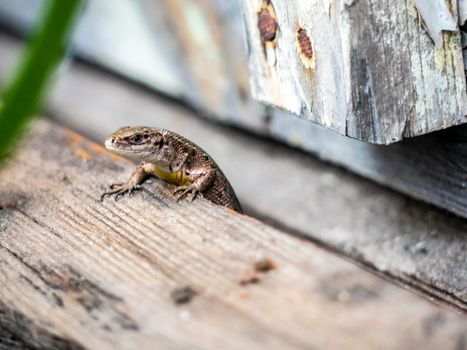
22, 98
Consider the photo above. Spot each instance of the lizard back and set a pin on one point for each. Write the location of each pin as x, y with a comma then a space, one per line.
220, 192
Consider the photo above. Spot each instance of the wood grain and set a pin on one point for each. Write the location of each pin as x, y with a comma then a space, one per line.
78, 273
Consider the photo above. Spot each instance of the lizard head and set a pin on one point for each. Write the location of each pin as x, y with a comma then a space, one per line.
140, 143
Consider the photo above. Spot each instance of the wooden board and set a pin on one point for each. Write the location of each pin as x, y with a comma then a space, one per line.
366, 69
77, 273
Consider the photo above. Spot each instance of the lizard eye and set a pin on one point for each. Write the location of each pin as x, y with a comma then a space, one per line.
136, 139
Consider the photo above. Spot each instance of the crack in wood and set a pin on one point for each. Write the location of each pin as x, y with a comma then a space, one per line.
71, 284
17, 331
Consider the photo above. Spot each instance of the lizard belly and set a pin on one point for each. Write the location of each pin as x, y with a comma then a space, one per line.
174, 177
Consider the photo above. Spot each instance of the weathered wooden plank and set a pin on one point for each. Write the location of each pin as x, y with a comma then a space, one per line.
373, 73
377, 74
99, 275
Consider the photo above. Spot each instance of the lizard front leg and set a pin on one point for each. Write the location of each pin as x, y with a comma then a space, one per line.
200, 178
138, 176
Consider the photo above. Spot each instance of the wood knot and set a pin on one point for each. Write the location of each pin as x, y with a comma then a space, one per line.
267, 25
305, 48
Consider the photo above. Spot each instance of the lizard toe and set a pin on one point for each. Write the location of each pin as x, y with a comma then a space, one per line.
195, 193
184, 191
114, 185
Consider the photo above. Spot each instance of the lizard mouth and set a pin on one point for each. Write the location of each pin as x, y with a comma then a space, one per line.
109, 144
113, 146
129, 151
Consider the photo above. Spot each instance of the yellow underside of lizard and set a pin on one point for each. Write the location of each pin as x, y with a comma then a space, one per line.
174, 177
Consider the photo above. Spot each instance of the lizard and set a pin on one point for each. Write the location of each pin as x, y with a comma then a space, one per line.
172, 158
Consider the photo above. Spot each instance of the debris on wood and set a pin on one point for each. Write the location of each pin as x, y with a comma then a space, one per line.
249, 277
264, 265
183, 295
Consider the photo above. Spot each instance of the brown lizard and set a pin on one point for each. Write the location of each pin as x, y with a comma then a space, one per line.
172, 158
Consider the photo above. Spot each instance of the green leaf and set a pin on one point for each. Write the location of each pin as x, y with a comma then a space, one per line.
44, 52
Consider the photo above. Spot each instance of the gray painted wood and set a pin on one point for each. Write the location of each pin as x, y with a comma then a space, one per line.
99, 275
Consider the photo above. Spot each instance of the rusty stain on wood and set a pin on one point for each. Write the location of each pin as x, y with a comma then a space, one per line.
249, 277
267, 25
268, 31
305, 48
264, 265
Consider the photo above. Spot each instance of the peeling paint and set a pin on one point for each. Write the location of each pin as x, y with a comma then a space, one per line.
437, 18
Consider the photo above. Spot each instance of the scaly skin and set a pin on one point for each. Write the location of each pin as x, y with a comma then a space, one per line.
172, 158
